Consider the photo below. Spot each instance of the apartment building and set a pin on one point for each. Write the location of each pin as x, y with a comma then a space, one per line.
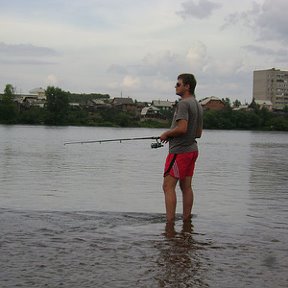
271, 85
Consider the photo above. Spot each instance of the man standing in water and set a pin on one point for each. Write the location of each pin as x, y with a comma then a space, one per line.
183, 151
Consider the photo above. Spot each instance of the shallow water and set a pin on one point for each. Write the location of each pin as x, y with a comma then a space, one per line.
93, 215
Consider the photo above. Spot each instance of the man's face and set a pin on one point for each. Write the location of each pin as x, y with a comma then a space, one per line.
180, 88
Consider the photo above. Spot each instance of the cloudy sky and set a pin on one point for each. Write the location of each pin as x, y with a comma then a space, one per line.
138, 48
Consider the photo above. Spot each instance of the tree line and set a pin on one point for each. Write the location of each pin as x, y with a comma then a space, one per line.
251, 119
57, 111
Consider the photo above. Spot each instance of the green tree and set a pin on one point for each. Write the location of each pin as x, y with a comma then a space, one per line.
57, 105
279, 123
8, 92
265, 116
227, 102
246, 120
236, 103
285, 109
8, 111
33, 115
254, 106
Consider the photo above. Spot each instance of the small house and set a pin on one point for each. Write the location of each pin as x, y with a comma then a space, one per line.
163, 105
97, 104
264, 104
124, 104
39, 92
150, 112
212, 103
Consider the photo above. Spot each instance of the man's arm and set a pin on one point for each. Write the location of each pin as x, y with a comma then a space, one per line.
199, 132
180, 129
200, 122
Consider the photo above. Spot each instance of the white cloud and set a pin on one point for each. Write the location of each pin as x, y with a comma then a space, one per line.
141, 46
268, 20
272, 22
197, 56
117, 69
52, 80
131, 82
18, 50
26, 54
200, 10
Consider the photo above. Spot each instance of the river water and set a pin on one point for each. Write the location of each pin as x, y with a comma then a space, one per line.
92, 215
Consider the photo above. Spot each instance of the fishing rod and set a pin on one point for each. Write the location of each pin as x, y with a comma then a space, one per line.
154, 145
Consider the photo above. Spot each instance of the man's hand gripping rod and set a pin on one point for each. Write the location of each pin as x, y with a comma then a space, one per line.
154, 145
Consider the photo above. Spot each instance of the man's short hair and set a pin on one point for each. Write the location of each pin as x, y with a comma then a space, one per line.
188, 79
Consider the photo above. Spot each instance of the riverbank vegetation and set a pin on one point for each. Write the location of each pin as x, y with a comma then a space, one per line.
252, 119
58, 111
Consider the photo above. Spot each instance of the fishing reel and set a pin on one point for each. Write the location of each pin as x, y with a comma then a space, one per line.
157, 144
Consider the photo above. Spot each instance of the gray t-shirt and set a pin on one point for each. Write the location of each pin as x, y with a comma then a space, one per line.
187, 109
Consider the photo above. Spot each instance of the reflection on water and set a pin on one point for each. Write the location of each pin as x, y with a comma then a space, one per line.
93, 215
89, 249
179, 259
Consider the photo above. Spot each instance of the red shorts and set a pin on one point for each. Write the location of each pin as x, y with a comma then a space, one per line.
180, 165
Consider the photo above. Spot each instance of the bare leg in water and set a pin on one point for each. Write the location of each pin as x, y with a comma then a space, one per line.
188, 197
169, 188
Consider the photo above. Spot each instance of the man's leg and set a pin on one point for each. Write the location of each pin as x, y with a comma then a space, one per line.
188, 197
169, 188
